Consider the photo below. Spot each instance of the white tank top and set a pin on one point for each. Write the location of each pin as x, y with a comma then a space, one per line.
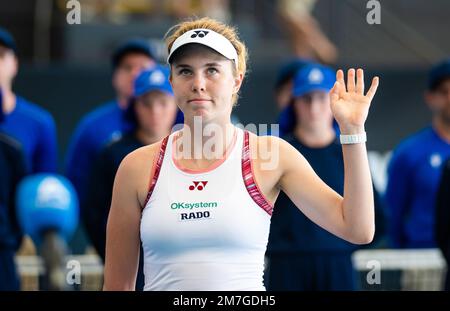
205, 230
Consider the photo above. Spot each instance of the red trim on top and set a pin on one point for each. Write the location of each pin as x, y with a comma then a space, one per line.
250, 182
159, 161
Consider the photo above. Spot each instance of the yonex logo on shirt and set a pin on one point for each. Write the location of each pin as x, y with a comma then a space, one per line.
199, 185
184, 205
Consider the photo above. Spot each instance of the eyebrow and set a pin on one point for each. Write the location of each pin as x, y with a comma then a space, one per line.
206, 65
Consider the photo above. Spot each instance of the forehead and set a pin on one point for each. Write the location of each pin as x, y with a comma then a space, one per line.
191, 53
5, 50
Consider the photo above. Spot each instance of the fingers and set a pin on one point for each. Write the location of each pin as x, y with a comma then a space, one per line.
360, 81
351, 80
341, 82
358, 87
334, 92
373, 88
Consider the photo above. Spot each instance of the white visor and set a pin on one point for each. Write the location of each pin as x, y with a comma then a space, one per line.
209, 38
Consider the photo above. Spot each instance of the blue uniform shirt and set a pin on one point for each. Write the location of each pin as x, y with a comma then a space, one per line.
12, 168
34, 128
95, 130
414, 173
291, 231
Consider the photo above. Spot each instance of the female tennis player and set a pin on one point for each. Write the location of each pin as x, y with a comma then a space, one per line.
200, 200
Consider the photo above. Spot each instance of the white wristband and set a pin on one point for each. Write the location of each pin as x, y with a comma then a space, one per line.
353, 139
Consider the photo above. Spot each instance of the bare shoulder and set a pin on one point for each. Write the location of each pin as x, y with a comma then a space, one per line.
267, 140
139, 157
271, 149
137, 168
267, 156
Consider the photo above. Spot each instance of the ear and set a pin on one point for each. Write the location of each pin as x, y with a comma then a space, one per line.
16, 65
238, 82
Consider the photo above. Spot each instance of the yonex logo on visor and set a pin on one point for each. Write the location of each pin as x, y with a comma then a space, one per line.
208, 38
199, 33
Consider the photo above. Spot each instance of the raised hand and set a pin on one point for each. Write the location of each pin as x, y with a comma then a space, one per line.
349, 105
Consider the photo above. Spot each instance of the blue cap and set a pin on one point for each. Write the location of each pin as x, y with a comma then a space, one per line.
288, 70
136, 45
153, 79
313, 77
438, 73
7, 40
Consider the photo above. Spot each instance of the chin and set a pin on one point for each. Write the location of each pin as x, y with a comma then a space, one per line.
201, 113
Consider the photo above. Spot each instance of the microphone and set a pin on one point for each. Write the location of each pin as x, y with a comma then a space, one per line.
48, 211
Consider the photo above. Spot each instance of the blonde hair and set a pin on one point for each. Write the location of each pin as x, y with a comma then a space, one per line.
225, 30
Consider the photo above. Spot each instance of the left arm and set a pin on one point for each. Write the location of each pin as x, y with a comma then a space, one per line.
350, 217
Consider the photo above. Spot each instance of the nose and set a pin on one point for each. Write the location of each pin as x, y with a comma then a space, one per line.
136, 71
315, 107
198, 83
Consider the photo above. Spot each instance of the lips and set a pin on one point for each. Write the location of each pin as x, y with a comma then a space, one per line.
199, 100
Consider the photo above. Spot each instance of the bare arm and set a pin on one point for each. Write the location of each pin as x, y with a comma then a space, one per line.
122, 237
350, 217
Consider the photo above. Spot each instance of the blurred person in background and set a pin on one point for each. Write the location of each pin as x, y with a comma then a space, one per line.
285, 81
283, 93
119, 11
301, 255
30, 125
154, 111
415, 169
442, 228
306, 37
217, 9
12, 170
105, 123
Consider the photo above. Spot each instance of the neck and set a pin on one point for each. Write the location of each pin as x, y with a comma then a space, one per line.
314, 137
8, 98
205, 140
442, 127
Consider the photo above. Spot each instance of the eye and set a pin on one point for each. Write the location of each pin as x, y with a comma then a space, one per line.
127, 68
184, 72
212, 70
